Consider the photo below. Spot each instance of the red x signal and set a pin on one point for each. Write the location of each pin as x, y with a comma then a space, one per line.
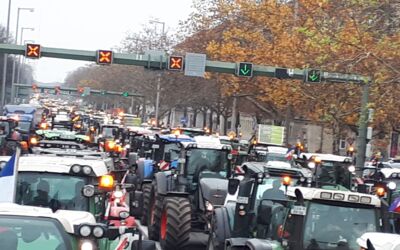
175, 63
104, 57
32, 51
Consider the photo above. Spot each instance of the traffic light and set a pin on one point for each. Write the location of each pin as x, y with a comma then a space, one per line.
125, 94
104, 57
282, 73
175, 63
313, 76
245, 69
32, 51
81, 90
57, 90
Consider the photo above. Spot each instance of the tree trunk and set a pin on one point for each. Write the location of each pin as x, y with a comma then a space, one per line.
336, 138
225, 125
211, 121
194, 118
204, 119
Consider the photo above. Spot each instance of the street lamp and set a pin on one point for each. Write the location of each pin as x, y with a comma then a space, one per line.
16, 42
20, 42
3, 80
159, 75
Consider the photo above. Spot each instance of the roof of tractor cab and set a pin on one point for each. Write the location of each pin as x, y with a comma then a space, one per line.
176, 138
390, 172
335, 195
55, 164
67, 218
22, 109
207, 142
277, 169
327, 157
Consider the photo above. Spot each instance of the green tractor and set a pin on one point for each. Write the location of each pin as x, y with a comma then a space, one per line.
182, 199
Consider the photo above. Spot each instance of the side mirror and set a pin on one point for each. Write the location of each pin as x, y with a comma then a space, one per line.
233, 185
167, 156
264, 214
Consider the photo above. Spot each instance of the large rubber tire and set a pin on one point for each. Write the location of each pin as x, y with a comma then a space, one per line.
176, 221
154, 213
146, 189
220, 230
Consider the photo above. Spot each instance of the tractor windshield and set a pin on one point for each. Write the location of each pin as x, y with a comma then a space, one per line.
211, 160
272, 189
48, 190
4, 128
173, 149
334, 173
109, 132
332, 227
23, 233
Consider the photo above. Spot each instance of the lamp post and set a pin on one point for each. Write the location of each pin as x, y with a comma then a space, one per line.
3, 81
20, 42
162, 43
16, 42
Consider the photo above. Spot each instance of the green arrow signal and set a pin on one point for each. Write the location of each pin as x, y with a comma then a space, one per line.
245, 70
314, 76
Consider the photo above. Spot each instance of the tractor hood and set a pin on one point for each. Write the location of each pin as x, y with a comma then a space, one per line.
214, 190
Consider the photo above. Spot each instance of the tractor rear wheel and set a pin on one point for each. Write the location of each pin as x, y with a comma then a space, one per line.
175, 223
146, 189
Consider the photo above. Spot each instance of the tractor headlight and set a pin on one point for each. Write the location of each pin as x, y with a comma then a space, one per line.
209, 206
87, 170
123, 214
352, 169
76, 169
87, 245
392, 185
311, 164
98, 231
85, 231
88, 190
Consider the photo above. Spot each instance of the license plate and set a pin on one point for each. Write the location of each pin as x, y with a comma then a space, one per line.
243, 200
299, 210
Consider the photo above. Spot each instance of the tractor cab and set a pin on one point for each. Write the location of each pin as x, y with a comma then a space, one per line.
330, 219
329, 170
242, 217
61, 183
28, 227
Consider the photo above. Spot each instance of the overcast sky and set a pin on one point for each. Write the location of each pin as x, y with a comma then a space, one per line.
86, 24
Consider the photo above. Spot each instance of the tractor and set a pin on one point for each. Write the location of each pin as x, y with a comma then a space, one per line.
183, 198
259, 182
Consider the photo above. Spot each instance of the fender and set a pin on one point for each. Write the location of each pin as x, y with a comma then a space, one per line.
161, 180
259, 244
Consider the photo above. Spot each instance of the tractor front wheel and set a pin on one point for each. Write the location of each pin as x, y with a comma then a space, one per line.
175, 223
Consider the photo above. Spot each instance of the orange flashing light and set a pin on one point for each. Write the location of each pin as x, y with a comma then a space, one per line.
92, 129
177, 132
33, 141
286, 180
106, 181
380, 191
43, 125
317, 159
110, 145
24, 145
351, 149
118, 148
